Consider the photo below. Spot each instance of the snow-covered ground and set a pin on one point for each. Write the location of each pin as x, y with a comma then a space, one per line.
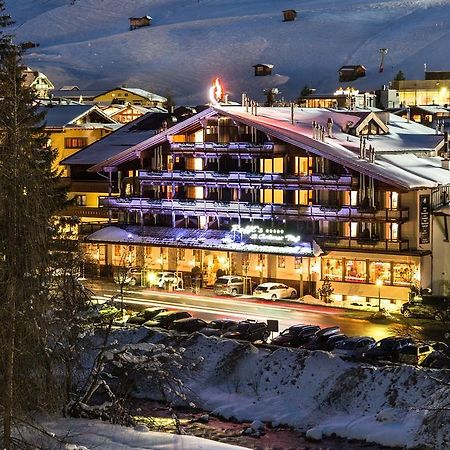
314, 392
82, 434
88, 43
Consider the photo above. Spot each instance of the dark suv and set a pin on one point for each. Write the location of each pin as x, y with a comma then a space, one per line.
248, 331
428, 306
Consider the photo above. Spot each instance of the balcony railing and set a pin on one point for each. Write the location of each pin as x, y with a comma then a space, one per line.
84, 211
356, 243
245, 180
252, 210
203, 149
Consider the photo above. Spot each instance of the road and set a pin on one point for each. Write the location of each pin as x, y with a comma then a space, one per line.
207, 306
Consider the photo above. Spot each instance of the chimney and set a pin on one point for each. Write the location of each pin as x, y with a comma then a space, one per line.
243, 98
292, 113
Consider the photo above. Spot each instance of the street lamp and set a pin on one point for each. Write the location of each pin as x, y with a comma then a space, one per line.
379, 283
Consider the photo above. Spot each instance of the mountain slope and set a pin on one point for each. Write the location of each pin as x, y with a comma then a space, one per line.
192, 41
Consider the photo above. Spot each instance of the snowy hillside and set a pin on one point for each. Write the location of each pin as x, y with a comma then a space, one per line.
88, 43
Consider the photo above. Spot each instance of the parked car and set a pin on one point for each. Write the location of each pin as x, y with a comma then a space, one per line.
320, 338
166, 279
438, 359
354, 347
164, 319
414, 354
188, 325
248, 331
327, 342
128, 277
144, 315
229, 285
274, 291
387, 349
296, 335
218, 327
428, 306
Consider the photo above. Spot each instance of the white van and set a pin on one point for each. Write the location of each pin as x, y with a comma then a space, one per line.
229, 285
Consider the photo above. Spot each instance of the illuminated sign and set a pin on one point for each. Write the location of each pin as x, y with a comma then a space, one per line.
256, 232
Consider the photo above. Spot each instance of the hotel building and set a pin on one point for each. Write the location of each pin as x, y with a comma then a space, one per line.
284, 194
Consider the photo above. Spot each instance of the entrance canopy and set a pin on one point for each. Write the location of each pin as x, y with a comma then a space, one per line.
199, 239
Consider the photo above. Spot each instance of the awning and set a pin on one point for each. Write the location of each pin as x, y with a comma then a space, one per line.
220, 240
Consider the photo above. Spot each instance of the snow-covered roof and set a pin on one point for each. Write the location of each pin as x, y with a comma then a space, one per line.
141, 92
126, 136
400, 160
201, 239
58, 116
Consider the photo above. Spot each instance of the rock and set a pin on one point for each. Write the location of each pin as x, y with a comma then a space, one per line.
257, 425
203, 419
141, 428
314, 434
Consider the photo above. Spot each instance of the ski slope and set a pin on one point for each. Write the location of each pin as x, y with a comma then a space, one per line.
88, 43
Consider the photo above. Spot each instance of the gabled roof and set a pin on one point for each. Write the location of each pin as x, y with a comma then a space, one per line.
59, 116
405, 139
350, 67
130, 153
127, 136
137, 91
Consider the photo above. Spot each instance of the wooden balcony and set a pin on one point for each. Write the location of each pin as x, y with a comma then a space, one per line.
355, 243
252, 210
246, 180
245, 150
84, 211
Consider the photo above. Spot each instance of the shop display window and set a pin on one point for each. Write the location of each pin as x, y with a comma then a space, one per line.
355, 271
332, 268
405, 274
380, 271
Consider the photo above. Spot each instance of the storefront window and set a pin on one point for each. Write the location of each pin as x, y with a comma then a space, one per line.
332, 268
298, 263
380, 271
405, 274
281, 262
355, 271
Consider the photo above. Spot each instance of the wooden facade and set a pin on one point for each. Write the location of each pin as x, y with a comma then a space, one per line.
351, 73
139, 22
289, 15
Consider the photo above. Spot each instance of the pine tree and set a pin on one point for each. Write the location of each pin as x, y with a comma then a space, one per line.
400, 76
29, 196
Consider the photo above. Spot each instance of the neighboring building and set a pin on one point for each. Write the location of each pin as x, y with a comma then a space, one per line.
86, 187
433, 90
139, 22
340, 194
38, 81
73, 93
134, 96
433, 116
261, 70
343, 98
126, 113
72, 127
351, 73
289, 15
387, 98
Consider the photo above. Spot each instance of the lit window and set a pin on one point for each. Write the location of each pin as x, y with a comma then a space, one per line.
182, 254
380, 271
355, 271
281, 262
332, 268
298, 263
80, 200
75, 142
405, 274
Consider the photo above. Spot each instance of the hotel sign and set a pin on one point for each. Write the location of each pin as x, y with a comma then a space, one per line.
424, 219
260, 234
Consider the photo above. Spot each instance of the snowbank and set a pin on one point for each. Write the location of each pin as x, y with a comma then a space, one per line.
315, 391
